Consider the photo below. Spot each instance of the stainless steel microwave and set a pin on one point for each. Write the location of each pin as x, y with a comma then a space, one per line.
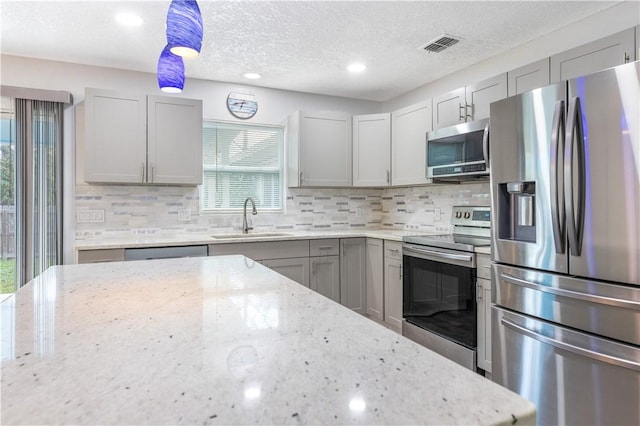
460, 151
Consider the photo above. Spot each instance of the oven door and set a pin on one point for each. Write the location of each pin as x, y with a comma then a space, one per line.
439, 292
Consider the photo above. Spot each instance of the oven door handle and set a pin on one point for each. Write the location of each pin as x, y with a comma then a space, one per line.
438, 255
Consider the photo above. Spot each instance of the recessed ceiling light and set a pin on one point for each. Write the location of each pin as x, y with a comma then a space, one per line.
251, 75
129, 19
357, 67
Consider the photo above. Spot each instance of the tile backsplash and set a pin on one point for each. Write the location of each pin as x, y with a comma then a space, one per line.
135, 210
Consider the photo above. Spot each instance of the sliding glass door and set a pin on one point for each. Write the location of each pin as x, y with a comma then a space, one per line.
31, 203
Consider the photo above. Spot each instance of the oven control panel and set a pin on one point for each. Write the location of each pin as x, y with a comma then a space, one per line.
471, 216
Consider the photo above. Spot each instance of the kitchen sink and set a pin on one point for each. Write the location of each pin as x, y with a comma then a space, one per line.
250, 235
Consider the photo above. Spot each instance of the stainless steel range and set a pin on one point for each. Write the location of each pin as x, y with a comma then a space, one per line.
439, 286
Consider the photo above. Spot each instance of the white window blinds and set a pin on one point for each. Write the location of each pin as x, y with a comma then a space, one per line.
241, 161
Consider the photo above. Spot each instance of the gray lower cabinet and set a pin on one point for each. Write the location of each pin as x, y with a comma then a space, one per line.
353, 274
375, 279
296, 269
393, 285
483, 291
263, 250
101, 255
325, 276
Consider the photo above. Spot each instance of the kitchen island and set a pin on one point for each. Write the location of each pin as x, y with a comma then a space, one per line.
220, 340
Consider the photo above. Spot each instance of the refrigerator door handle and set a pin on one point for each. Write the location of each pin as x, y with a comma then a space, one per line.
557, 205
621, 362
575, 225
592, 298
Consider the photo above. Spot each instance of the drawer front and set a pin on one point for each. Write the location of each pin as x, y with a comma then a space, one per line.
392, 250
326, 247
102, 255
263, 250
484, 266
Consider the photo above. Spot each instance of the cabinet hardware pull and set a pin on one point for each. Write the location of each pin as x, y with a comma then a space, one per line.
301, 177
152, 173
388, 177
626, 58
142, 172
400, 273
467, 115
461, 114
325, 248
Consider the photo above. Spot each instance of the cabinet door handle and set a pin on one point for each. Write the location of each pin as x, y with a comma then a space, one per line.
142, 172
478, 293
626, 58
151, 180
301, 177
461, 113
466, 113
400, 274
325, 247
388, 177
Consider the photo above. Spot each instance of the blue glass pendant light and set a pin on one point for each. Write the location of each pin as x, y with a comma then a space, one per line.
184, 28
170, 72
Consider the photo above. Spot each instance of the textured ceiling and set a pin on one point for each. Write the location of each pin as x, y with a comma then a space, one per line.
295, 45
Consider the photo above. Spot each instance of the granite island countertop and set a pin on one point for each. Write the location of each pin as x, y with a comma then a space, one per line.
220, 340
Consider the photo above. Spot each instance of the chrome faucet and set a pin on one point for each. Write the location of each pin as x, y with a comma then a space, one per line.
245, 225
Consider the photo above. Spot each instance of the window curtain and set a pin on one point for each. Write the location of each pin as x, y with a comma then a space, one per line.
38, 187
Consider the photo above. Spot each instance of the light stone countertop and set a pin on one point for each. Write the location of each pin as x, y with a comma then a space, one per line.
220, 340
197, 239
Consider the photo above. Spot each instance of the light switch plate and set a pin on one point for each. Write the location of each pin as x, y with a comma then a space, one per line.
184, 215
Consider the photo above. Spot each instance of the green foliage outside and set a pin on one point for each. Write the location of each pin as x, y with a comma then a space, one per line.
7, 178
7, 275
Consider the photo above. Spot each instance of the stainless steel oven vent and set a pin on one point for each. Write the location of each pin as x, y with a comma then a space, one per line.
440, 43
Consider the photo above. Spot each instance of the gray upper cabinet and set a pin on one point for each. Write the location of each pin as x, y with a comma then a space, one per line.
372, 150
528, 77
468, 103
480, 95
133, 138
604, 53
319, 149
115, 137
174, 140
409, 127
449, 108
637, 43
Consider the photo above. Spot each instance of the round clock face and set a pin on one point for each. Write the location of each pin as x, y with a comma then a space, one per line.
242, 105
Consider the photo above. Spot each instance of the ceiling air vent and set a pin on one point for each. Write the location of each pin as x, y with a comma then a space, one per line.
440, 43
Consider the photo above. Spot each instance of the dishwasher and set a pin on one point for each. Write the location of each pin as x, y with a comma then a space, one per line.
165, 252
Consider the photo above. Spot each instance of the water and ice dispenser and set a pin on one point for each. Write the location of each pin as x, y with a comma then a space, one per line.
517, 211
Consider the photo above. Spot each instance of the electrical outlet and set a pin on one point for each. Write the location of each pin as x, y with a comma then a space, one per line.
184, 215
90, 216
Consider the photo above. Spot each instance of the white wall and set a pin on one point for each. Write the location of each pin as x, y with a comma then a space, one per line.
610, 21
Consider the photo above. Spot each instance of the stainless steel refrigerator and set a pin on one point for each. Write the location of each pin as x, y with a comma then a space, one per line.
565, 193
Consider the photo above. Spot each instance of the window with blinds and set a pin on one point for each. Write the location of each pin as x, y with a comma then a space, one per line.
240, 161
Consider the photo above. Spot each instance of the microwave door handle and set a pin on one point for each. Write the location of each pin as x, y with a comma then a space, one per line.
575, 225
557, 149
485, 145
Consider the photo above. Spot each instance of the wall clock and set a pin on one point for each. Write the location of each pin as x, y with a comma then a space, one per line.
242, 105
